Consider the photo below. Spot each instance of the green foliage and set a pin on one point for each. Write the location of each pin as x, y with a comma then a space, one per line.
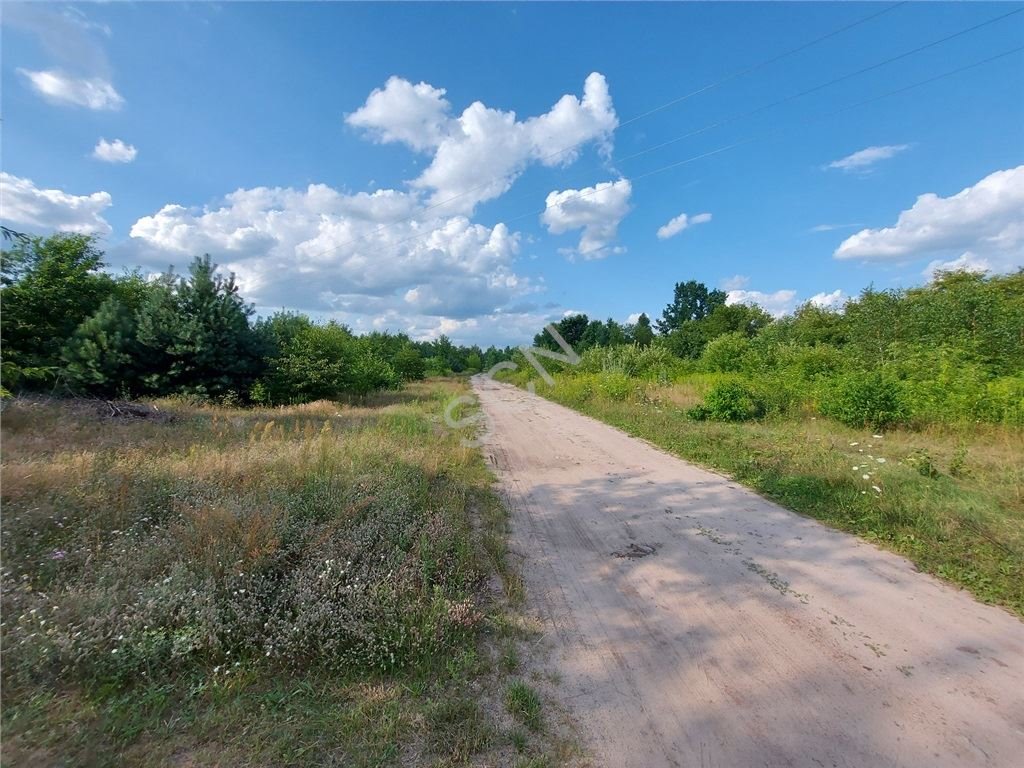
573, 329
631, 360
729, 401
325, 362
524, 704
408, 363
949, 352
369, 373
642, 333
100, 356
869, 399
616, 386
49, 286
197, 336
923, 462
691, 301
727, 353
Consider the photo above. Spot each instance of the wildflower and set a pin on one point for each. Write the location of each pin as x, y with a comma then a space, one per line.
879, 490
880, 460
877, 437
58, 554
866, 477
853, 444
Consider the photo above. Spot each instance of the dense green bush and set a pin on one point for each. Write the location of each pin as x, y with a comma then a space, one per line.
866, 399
729, 401
617, 386
631, 360
726, 354
68, 326
948, 352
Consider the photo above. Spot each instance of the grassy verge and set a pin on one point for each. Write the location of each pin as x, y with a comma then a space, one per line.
951, 500
299, 586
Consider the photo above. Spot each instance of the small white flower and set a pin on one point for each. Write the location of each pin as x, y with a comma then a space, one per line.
866, 477
852, 444
877, 437
877, 488
880, 460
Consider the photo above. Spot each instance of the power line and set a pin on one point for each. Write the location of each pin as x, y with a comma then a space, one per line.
703, 89
741, 142
763, 64
813, 118
814, 89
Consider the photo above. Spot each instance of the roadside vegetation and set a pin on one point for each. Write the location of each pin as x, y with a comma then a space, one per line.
899, 417
70, 328
195, 584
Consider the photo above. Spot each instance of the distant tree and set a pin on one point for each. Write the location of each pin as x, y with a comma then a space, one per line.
199, 332
101, 356
50, 285
691, 301
735, 318
449, 354
314, 364
595, 335
369, 372
615, 333
277, 331
643, 335
571, 328
408, 363
687, 341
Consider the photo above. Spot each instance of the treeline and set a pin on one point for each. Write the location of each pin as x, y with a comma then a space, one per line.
951, 352
68, 326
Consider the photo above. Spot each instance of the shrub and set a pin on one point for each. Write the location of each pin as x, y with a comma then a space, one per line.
574, 389
866, 400
630, 359
729, 401
726, 354
616, 386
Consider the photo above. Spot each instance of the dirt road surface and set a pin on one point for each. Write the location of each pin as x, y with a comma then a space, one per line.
693, 623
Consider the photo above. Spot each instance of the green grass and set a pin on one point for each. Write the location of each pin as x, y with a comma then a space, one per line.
524, 704
949, 499
294, 586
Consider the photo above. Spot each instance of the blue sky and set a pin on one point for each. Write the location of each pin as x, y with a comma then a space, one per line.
217, 119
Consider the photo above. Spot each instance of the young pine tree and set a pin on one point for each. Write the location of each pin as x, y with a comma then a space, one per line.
100, 357
197, 336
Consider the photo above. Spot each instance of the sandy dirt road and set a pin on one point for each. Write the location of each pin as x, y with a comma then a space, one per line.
729, 631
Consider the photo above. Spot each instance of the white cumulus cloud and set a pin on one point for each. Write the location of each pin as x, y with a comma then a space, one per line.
968, 262
867, 158
115, 151
981, 223
416, 115
597, 210
681, 222
734, 283
41, 211
776, 304
479, 154
59, 87
834, 300
321, 250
